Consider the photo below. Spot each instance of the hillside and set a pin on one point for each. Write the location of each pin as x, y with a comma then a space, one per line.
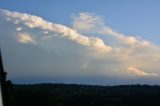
84, 95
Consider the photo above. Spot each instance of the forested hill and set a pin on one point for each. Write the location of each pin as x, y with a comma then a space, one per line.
84, 95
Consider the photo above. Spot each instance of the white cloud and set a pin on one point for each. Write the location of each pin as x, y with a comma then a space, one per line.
139, 72
25, 38
128, 49
19, 28
90, 22
63, 31
75, 49
86, 21
124, 39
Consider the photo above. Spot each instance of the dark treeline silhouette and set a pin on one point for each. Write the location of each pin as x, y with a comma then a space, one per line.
84, 95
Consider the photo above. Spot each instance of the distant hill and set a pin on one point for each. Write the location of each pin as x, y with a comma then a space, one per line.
84, 95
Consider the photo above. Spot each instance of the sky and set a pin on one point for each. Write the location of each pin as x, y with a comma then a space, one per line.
105, 42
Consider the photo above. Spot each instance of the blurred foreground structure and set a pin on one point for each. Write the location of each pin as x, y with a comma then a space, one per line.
3, 95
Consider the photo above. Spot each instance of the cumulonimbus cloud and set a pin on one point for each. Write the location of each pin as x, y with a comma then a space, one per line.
30, 29
63, 31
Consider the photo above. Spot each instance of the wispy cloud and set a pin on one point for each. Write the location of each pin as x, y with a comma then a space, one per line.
90, 22
87, 21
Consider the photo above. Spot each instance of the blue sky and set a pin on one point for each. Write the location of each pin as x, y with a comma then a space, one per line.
136, 17
95, 42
